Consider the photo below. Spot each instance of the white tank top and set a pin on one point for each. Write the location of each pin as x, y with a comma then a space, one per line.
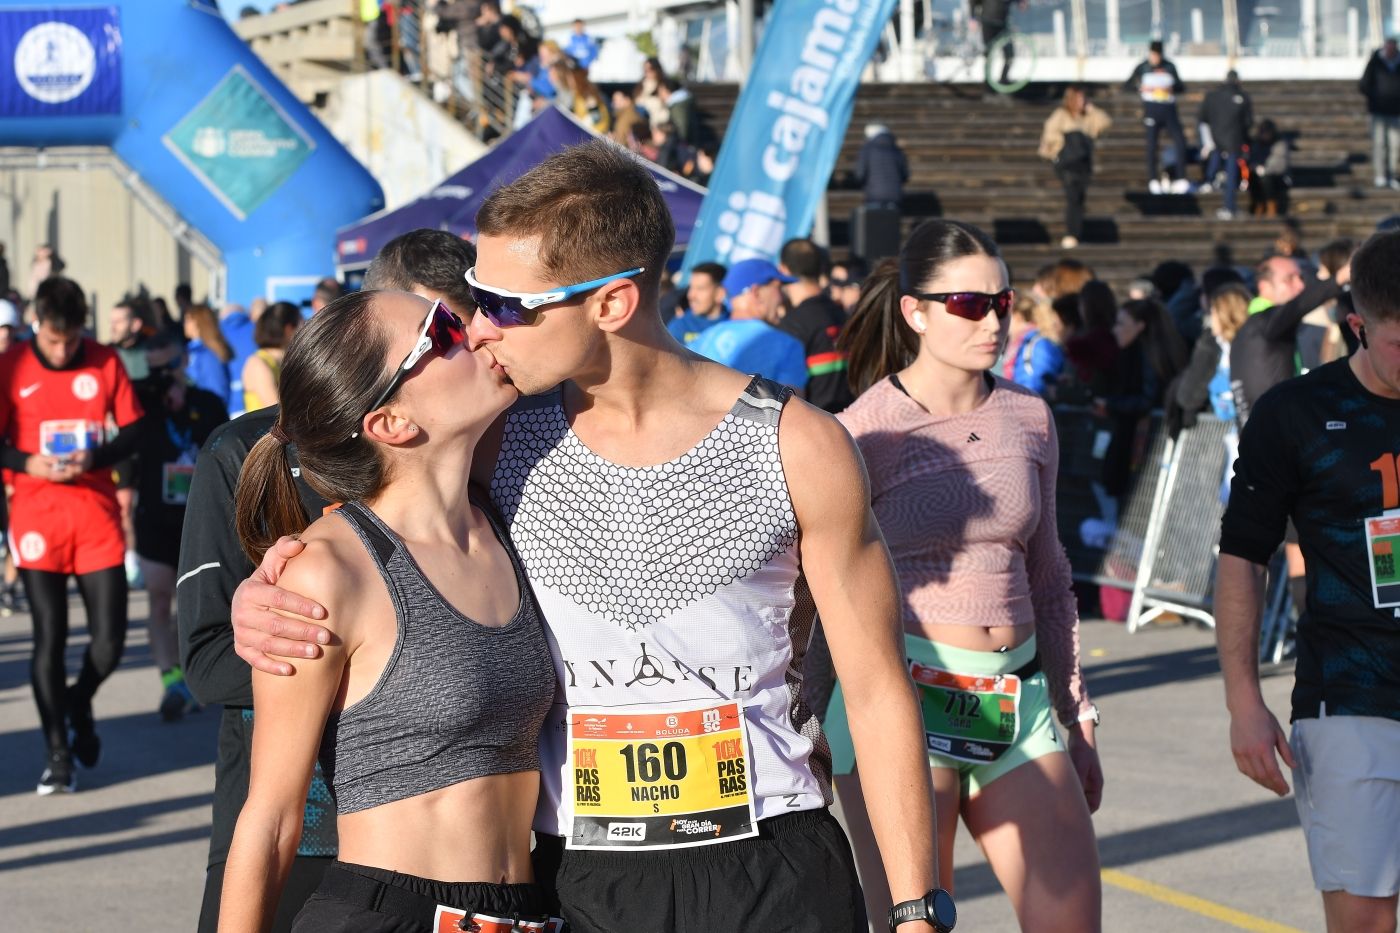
676, 583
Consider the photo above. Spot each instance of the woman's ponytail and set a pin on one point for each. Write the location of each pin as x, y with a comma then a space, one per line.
876, 339
266, 504
333, 371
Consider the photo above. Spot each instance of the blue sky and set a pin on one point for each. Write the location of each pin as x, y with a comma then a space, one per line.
230, 8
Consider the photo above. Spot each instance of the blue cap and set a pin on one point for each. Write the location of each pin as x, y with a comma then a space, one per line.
744, 275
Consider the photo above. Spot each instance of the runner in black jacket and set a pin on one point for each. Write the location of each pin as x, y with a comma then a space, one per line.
1229, 114
211, 566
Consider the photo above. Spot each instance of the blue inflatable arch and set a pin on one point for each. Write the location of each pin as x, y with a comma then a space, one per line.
182, 101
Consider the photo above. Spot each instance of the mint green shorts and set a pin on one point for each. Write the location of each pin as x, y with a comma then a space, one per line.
1037, 735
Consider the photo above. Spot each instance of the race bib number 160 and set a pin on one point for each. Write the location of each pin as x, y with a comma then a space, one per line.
659, 778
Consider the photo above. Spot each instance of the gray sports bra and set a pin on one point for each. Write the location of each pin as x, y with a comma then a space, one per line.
457, 700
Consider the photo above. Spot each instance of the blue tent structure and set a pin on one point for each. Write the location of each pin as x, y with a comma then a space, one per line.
193, 114
453, 204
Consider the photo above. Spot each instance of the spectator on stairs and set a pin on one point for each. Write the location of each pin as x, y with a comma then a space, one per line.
1268, 172
1067, 140
1228, 113
1380, 82
1156, 81
881, 168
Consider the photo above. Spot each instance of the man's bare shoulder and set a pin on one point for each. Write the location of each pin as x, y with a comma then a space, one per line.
716, 388
818, 454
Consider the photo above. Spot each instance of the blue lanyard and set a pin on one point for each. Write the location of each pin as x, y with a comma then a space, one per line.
182, 442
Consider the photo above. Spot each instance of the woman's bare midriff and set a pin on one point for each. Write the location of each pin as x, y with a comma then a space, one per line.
975, 637
478, 830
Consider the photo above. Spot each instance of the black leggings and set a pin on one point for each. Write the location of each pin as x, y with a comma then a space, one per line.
104, 599
1076, 184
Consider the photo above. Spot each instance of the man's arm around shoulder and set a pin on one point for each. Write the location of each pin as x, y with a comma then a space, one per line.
853, 583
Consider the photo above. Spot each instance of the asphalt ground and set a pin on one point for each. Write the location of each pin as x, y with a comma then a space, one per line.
1186, 842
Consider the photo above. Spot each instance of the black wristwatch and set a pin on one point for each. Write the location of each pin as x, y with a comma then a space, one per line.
936, 907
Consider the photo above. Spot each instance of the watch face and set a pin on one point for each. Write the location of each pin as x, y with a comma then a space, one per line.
945, 914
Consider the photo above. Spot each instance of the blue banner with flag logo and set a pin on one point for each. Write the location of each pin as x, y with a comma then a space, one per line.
787, 127
61, 61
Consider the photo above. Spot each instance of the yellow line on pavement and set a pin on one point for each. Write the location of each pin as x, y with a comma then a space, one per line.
1196, 905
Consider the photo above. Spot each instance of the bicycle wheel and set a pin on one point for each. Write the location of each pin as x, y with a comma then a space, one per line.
1010, 63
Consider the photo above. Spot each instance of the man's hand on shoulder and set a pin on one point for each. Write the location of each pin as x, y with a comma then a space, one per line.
259, 628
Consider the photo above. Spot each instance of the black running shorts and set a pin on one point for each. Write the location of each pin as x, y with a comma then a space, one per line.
362, 899
796, 876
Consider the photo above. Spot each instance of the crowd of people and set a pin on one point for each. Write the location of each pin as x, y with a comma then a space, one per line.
1235, 153
99, 447
501, 60
513, 493
416, 436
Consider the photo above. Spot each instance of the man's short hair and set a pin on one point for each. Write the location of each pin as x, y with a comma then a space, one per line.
1155, 46
1375, 288
596, 211
60, 303
328, 290
1264, 272
183, 293
431, 259
714, 270
855, 267
139, 305
804, 259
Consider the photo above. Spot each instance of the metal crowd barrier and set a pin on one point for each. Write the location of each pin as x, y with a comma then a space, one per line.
1163, 542
1103, 537
1177, 573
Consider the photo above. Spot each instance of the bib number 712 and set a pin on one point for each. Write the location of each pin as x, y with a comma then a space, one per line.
968, 704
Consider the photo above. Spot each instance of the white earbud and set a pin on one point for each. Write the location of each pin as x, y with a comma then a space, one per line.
919, 320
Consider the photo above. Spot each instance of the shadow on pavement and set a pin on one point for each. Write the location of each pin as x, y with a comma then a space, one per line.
135, 746
117, 847
101, 823
1153, 670
15, 653
1164, 839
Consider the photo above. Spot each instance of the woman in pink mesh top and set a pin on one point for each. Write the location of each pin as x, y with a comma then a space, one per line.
962, 473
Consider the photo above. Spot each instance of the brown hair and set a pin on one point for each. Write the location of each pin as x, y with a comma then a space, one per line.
1098, 306
1162, 346
877, 340
60, 303
333, 370
270, 330
1070, 277
1230, 305
425, 258
1075, 93
1375, 290
1024, 308
596, 210
206, 323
